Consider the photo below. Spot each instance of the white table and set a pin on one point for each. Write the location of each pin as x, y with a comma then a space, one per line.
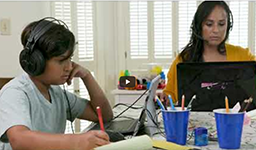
129, 96
202, 119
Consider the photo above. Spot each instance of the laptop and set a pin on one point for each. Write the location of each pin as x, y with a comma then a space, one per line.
125, 127
134, 126
212, 81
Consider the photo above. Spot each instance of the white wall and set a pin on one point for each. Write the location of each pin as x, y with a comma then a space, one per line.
106, 47
20, 14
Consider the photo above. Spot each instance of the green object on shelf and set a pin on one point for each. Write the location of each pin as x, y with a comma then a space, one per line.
126, 73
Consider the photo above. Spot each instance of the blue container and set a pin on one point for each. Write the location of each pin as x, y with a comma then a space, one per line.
176, 125
229, 128
201, 136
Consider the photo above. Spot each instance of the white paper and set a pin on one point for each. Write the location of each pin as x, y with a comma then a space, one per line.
137, 143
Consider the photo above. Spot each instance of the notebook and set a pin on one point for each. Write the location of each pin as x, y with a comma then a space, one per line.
212, 81
133, 126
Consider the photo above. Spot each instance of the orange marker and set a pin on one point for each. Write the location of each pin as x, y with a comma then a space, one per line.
182, 102
226, 103
100, 118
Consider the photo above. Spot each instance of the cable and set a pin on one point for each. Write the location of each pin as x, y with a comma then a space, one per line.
131, 118
130, 105
69, 108
156, 124
127, 106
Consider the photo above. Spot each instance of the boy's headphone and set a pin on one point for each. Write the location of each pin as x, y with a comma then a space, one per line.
32, 59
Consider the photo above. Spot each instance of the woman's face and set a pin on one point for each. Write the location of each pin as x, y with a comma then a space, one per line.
214, 27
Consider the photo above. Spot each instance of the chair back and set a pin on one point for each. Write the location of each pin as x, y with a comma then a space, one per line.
3, 81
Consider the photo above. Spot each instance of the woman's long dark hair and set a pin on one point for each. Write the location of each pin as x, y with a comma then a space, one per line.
192, 52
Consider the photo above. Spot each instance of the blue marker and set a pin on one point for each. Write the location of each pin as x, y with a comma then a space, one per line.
172, 106
160, 103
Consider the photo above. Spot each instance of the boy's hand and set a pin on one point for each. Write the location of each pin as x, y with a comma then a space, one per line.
92, 139
77, 71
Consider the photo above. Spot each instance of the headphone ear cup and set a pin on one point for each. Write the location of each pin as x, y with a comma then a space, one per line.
33, 64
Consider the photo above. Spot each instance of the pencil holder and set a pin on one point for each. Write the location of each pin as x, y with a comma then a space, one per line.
229, 128
176, 125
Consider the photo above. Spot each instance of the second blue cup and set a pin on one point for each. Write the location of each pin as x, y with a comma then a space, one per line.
229, 128
176, 125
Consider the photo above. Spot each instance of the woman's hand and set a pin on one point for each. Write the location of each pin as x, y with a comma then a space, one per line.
163, 97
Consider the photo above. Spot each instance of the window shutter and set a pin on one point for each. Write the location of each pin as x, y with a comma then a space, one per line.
81, 17
138, 30
163, 29
62, 11
85, 31
187, 10
239, 33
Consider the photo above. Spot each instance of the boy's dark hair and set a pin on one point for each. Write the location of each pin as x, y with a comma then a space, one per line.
194, 49
54, 42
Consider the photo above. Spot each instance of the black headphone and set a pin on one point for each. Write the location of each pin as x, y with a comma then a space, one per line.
32, 59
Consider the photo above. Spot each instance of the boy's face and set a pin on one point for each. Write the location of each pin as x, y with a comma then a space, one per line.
57, 69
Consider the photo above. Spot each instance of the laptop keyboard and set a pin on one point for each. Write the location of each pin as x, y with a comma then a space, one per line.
122, 126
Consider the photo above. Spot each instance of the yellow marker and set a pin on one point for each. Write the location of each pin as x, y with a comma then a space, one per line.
226, 103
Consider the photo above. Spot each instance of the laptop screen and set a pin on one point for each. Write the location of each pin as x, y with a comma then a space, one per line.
212, 81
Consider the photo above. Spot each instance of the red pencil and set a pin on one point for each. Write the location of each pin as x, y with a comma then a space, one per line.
182, 102
100, 118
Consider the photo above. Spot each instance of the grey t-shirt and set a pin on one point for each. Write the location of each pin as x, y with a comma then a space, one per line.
21, 103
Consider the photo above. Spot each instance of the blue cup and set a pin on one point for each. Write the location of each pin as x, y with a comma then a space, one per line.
229, 128
176, 125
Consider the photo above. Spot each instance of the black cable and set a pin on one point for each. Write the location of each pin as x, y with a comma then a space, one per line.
69, 108
156, 124
130, 105
151, 117
116, 105
131, 118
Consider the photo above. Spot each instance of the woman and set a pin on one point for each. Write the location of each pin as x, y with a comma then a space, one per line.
210, 27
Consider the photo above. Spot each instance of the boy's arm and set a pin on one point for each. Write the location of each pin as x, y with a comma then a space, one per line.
21, 138
97, 96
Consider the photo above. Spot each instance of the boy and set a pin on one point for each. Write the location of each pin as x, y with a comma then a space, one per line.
34, 109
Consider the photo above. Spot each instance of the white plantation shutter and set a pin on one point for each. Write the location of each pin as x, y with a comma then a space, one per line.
163, 29
239, 34
138, 30
85, 45
80, 16
62, 11
187, 10
85, 31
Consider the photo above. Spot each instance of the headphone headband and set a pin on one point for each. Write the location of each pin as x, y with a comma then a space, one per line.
43, 25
